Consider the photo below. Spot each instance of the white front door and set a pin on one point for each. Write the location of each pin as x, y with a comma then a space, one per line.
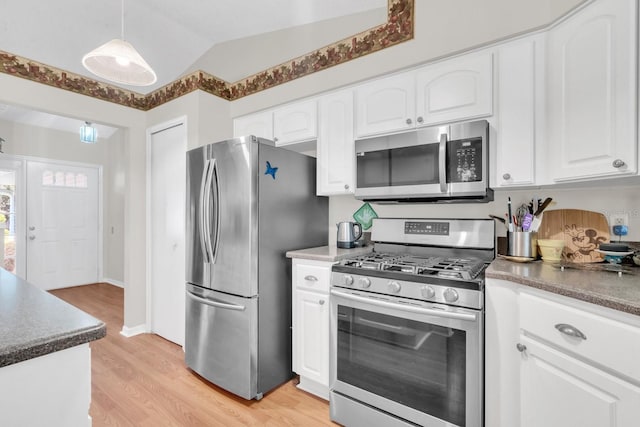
167, 235
62, 224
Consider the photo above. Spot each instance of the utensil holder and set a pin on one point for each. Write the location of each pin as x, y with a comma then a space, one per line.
522, 244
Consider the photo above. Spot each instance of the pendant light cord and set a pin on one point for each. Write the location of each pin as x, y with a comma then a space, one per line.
122, 21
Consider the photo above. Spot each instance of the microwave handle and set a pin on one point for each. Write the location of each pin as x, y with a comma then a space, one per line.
442, 162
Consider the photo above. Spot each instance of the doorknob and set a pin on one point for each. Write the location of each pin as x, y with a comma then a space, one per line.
32, 237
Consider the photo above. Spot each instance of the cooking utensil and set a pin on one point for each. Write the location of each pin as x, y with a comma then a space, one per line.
348, 233
537, 215
582, 231
543, 206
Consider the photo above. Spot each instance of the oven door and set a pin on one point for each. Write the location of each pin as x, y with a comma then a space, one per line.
418, 361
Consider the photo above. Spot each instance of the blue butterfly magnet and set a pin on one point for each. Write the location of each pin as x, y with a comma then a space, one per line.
271, 170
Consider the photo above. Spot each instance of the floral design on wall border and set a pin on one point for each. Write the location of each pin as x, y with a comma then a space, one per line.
398, 28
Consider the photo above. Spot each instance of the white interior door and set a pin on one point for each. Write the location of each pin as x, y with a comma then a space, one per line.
62, 224
167, 236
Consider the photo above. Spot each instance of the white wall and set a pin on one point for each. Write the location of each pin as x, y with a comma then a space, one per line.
442, 28
601, 198
35, 141
36, 96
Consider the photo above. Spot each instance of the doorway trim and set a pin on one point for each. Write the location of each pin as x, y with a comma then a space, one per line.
181, 120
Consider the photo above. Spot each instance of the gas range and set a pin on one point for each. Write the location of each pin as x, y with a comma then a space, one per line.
430, 260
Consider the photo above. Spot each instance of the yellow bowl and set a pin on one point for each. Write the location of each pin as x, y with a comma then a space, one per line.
551, 249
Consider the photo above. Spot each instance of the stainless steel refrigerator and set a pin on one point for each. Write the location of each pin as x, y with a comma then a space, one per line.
248, 202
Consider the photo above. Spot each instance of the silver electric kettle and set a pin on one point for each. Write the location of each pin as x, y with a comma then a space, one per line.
348, 233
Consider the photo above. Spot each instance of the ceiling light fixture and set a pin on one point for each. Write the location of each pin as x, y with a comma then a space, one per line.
119, 62
88, 134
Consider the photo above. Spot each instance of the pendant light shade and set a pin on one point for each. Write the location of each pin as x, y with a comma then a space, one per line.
88, 134
119, 62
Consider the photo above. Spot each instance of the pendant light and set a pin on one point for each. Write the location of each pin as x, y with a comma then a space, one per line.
88, 134
119, 62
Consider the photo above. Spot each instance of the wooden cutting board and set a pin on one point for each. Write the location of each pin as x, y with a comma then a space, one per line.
582, 232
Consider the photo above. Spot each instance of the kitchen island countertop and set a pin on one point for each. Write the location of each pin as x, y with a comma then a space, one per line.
328, 253
604, 288
34, 323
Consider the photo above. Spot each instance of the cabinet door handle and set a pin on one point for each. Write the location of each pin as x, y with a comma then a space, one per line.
420, 119
311, 278
571, 331
275, 139
618, 163
409, 121
506, 176
521, 347
321, 302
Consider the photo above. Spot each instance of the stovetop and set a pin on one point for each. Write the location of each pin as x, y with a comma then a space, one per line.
464, 268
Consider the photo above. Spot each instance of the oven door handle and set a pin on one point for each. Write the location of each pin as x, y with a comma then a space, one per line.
472, 317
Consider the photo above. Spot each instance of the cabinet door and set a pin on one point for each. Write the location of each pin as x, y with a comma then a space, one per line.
558, 391
592, 92
518, 96
311, 336
385, 105
455, 89
258, 124
295, 123
335, 149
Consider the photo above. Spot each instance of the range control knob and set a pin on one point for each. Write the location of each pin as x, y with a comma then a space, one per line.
428, 292
450, 295
348, 280
364, 282
394, 287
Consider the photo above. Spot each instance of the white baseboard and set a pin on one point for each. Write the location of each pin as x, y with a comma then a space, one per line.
113, 282
131, 332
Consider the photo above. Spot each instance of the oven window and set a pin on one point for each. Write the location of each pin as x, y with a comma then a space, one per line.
416, 364
416, 165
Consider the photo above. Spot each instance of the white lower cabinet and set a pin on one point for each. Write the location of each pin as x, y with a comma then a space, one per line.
554, 361
558, 390
311, 325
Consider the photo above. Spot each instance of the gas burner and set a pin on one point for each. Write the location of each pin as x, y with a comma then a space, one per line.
456, 268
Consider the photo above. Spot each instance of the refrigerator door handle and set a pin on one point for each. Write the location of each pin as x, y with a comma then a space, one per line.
215, 303
203, 214
209, 186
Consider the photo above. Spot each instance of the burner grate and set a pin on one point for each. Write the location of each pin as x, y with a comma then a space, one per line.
457, 268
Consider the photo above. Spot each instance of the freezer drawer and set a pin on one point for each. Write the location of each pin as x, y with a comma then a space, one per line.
221, 339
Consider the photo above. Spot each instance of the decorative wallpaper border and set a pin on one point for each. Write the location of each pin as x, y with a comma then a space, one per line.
398, 28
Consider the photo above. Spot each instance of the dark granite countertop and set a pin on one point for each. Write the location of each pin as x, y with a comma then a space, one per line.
34, 323
608, 289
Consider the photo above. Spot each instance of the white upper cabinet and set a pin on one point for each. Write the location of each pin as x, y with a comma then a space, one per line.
297, 122
335, 147
592, 92
520, 94
386, 105
258, 124
455, 89
452, 90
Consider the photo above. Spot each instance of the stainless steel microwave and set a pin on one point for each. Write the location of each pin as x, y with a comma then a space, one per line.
441, 163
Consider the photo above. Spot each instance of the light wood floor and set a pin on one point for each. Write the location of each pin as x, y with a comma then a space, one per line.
143, 381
